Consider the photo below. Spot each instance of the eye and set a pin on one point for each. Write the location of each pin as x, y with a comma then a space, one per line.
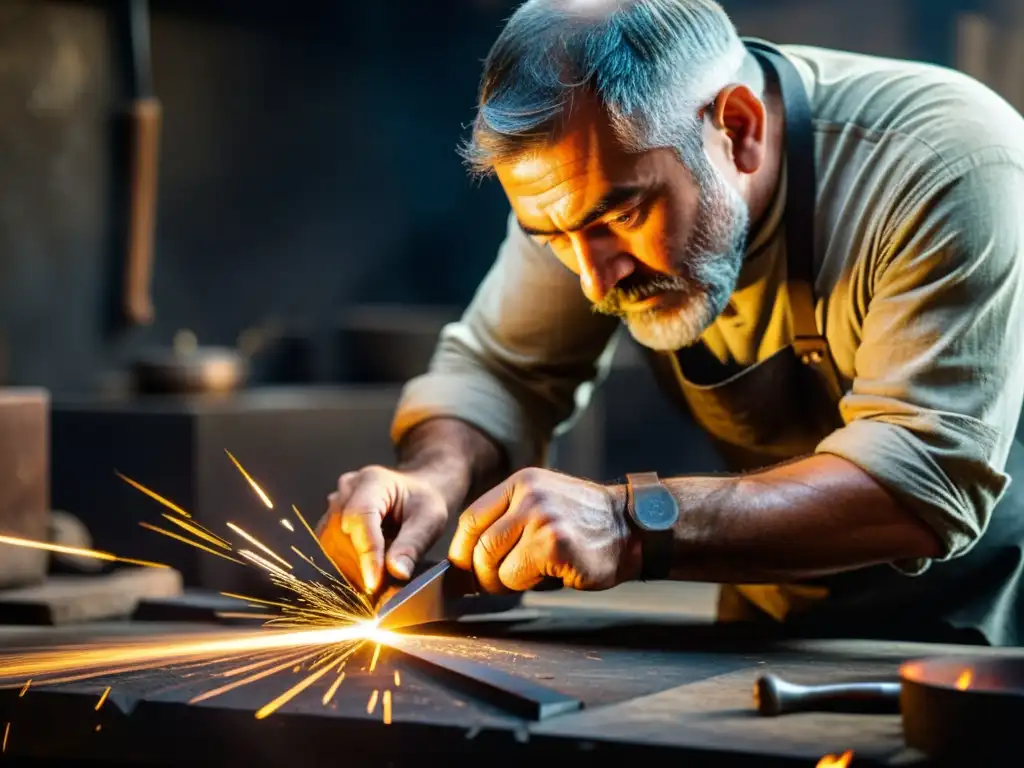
627, 219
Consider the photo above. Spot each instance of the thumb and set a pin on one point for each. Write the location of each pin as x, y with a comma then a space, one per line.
417, 534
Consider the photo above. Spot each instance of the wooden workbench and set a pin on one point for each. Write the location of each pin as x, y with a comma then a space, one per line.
657, 683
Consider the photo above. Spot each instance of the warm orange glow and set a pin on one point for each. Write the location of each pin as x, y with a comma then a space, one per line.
103, 698
25, 689
94, 554
398, 679
963, 682
387, 707
372, 703
255, 486
287, 524
376, 655
197, 530
832, 761
7, 732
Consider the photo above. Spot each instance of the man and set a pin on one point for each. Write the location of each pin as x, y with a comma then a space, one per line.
822, 253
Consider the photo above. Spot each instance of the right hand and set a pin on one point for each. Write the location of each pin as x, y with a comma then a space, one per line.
351, 531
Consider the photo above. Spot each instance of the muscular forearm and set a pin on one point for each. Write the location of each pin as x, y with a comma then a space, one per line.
812, 517
454, 457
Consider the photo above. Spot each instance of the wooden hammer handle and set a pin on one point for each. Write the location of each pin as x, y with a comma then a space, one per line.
144, 116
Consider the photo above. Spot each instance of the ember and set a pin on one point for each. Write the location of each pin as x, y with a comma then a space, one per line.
833, 761
963, 682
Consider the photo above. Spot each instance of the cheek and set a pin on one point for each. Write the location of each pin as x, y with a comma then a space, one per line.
665, 233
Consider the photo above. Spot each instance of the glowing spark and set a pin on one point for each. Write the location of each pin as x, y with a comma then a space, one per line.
195, 544
259, 491
265, 564
99, 658
288, 524
270, 707
25, 689
99, 728
246, 680
95, 554
196, 530
387, 707
372, 703
333, 689
7, 732
376, 655
832, 761
154, 495
398, 679
103, 697
963, 682
244, 615
330, 559
253, 540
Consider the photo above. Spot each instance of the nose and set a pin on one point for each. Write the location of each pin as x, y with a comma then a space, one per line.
602, 264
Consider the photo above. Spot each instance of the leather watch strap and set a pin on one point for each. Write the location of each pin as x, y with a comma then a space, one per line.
656, 545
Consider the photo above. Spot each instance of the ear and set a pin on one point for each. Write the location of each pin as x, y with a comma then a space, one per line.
742, 115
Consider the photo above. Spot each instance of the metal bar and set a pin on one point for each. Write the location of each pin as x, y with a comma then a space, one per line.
514, 694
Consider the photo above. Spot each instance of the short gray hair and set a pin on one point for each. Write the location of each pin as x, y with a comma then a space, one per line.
652, 64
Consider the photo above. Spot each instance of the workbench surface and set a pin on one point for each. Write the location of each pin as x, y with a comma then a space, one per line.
658, 685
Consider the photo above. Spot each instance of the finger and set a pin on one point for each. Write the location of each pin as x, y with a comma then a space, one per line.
521, 569
338, 546
493, 546
420, 529
361, 522
477, 518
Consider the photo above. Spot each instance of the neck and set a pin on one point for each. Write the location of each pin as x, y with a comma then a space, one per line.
765, 180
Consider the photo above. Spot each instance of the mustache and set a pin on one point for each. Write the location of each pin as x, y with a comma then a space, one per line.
637, 287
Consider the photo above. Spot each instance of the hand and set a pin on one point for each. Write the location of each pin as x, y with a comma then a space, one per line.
540, 524
352, 534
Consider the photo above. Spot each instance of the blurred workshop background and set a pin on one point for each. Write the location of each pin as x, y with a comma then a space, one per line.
313, 229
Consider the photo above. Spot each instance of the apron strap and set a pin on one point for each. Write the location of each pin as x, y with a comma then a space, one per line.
810, 346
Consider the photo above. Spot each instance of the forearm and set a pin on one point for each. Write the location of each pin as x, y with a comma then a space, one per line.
452, 456
809, 518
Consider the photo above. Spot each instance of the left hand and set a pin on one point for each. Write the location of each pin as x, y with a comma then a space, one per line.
540, 524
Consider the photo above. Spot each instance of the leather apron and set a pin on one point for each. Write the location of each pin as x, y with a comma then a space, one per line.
781, 409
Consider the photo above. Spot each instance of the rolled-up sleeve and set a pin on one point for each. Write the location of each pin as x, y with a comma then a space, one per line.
522, 360
939, 373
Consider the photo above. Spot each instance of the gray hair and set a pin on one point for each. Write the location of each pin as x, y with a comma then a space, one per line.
652, 64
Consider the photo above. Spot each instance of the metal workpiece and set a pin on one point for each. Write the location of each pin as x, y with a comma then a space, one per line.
516, 695
429, 597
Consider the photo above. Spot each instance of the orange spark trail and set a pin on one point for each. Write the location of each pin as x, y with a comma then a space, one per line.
25, 689
103, 698
196, 530
372, 703
195, 544
95, 554
288, 524
333, 689
7, 732
253, 540
387, 707
154, 495
398, 679
291, 693
255, 486
376, 655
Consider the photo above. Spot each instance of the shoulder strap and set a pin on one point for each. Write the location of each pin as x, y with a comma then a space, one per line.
801, 200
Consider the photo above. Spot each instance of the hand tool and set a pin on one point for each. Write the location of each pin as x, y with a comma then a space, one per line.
427, 598
959, 708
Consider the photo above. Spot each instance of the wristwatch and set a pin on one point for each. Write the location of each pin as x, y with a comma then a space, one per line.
654, 511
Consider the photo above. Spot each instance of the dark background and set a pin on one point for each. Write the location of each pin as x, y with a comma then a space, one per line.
307, 159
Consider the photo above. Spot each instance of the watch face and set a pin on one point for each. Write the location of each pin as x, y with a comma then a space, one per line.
656, 509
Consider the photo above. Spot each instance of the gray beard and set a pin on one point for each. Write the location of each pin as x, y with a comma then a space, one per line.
707, 271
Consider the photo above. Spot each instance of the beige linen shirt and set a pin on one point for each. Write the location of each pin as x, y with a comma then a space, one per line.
919, 291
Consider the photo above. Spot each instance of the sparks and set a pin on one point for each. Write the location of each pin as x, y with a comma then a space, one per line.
259, 544
398, 679
94, 554
372, 703
963, 682
7, 732
255, 486
376, 655
153, 495
315, 629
